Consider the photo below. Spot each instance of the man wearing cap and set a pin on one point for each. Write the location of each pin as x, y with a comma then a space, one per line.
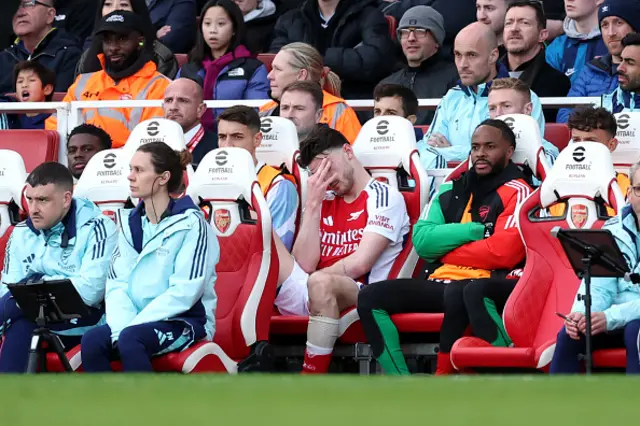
128, 73
421, 33
617, 18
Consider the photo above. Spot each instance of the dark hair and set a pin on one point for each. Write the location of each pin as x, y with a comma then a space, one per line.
201, 50
588, 119
631, 39
535, 5
321, 139
241, 114
90, 129
409, 99
504, 128
46, 75
51, 172
310, 87
165, 159
140, 8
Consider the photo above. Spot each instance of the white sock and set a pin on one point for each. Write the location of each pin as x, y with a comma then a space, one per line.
322, 334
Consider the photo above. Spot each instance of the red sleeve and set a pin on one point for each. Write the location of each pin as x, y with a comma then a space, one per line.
504, 249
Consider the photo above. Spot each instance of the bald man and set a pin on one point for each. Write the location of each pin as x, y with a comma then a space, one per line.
183, 103
465, 106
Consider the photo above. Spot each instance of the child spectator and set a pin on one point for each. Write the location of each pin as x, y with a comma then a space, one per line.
33, 82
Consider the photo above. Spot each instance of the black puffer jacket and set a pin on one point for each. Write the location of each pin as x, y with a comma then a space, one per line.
356, 45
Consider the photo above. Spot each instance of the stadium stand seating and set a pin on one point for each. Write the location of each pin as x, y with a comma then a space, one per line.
393, 26
12, 180
558, 134
584, 178
35, 146
182, 59
628, 150
267, 59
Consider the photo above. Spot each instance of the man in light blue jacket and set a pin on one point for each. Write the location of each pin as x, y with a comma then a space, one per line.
626, 97
464, 107
615, 302
64, 238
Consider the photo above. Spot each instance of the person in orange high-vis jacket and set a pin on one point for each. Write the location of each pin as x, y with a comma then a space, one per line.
128, 73
300, 61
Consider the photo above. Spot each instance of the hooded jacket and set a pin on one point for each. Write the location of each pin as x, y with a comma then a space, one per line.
57, 51
617, 298
621, 100
571, 51
78, 249
163, 272
259, 24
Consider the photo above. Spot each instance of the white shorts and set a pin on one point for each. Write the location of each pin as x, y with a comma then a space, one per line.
293, 295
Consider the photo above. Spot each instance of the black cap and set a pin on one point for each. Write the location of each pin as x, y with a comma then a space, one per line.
120, 22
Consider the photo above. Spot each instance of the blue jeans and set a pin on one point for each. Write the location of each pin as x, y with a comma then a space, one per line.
137, 344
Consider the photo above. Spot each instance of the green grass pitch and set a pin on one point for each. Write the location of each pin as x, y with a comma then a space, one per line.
123, 400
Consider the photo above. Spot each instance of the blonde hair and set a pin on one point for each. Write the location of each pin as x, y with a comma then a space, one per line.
306, 57
512, 83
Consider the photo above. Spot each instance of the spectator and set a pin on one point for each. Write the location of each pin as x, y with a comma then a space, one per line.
617, 19
393, 99
465, 106
221, 59
513, 96
351, 35
525, 33
492, 13
428, 74
300, 61
163, 57
127, 60
175, 23
183, 103
348, 238
7, 10
82, 144
76, 17
469, 239
302, 104
160, 296
39, 41
64, 238
33, 82
581, 41
239, 127
260, 17
615, 319
626, 97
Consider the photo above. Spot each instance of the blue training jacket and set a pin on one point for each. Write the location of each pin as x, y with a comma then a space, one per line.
165, 271
78, 248
570, 52
621, 101
617, 298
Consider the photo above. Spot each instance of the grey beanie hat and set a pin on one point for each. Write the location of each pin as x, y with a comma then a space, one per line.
424, 17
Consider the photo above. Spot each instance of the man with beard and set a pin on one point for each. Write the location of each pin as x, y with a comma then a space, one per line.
524, 35
352, 230
128, 72
83, 143
469, 239
626, 97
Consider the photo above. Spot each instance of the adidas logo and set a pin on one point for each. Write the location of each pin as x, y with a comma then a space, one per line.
328, 221
29, 259
163, 337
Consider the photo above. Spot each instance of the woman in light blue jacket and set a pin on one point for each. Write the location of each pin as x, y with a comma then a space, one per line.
160, 288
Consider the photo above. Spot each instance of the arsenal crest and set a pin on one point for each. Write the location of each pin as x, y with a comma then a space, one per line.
222, 220
579, 215
111, 215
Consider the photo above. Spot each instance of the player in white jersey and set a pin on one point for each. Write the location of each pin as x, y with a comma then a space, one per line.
353, 228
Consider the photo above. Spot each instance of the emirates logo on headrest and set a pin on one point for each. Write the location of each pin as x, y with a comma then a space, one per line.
383, 127
115, 18
109, 161
266, 125
221, 158
153, 128
623, 121
578, 154
510, 122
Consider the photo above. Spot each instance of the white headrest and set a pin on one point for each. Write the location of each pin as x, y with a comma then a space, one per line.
279, 142
155, 130
583, 169
105, 178
224, 174
386, 141
628, 151
529, 150
13, 175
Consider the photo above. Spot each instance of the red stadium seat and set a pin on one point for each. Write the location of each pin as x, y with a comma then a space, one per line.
548, 284
182, 59
35, 146
4, 239
267, 59
558, 134
393, 26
